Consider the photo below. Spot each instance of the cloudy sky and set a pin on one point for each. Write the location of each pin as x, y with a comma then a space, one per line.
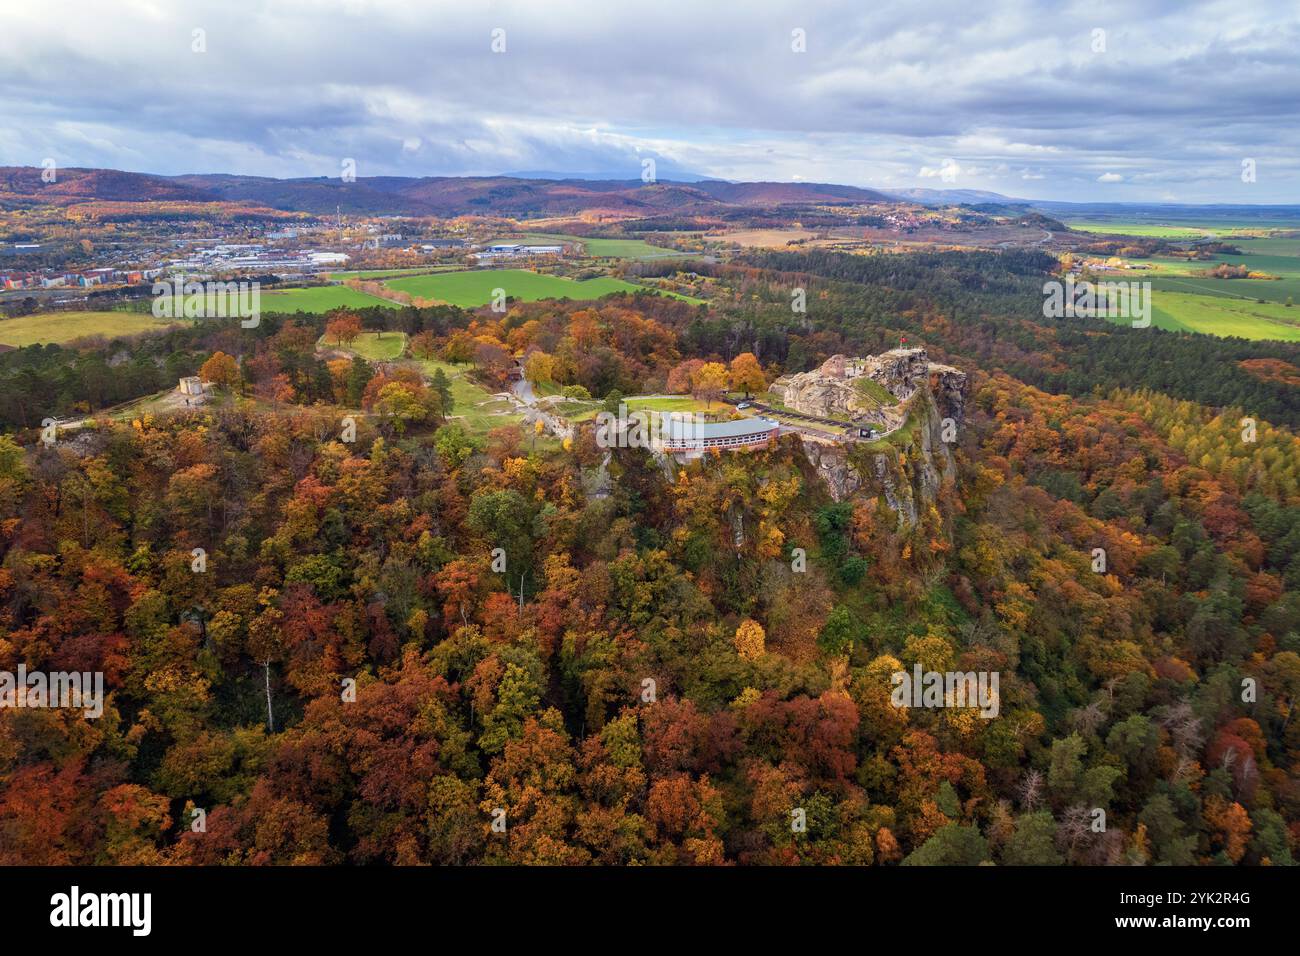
1132, 101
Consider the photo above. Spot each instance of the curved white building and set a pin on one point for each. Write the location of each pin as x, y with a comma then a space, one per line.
680, 435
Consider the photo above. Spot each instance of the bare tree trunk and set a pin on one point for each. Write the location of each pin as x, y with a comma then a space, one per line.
270, 719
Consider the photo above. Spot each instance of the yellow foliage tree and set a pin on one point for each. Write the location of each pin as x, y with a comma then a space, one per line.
221, 370
710, 382
746, 374
539, 368
750, 640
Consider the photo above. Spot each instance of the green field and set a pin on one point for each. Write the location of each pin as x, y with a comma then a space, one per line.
675, 403
1183, 300
59, 327
1270, 290
1212, 314
1274, 257
658, 403
373, 348
1178, 228
1219, 315
471, 289
1158, 266
1271, 247
1145, 229
318, 299
385, 273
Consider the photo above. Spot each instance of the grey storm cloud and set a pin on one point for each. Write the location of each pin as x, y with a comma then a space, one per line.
1152, 101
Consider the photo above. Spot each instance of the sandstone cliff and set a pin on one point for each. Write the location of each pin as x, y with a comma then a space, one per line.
908, 468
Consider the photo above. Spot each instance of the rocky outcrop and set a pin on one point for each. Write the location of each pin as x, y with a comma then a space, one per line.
907, 473
949, 386
833, 467
814, 394
869, 390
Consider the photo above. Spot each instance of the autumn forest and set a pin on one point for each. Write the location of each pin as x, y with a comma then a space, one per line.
440, 639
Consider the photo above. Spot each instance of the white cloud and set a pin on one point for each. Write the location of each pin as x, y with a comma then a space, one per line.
286, 88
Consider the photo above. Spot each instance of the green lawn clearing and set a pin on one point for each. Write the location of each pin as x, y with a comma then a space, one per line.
476, 409
372, 348
475, 288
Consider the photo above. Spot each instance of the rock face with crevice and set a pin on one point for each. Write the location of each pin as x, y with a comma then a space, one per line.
908, 475
908, 469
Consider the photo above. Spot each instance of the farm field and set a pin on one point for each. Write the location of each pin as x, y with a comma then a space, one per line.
1227, 307
1179, 228
764, 238
615, 248
1274, 257
1147, 229
385, 273
1163, 266
1272, 247
1223, 316
1219, 315
1270, 290
59, 327
474, 288
318, 299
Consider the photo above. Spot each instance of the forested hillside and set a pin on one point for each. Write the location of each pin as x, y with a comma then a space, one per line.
643, 672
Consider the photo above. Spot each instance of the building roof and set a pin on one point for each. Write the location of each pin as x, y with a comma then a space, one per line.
676, 429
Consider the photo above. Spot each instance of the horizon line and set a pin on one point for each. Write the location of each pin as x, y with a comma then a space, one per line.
559, 176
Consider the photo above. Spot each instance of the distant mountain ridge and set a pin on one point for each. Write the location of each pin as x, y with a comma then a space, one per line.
504, 195
425, 196
520, 197
667, 172
80, 185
